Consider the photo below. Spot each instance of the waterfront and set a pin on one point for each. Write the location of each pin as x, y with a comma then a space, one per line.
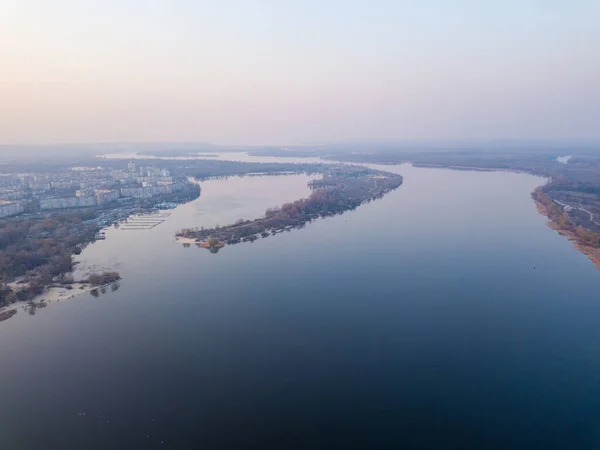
444, 314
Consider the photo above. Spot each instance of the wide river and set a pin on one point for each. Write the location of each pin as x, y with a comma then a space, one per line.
445, 315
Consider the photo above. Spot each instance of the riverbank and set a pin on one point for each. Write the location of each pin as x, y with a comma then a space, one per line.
51, 294
564, 228
95, 285
559, 220
185, 240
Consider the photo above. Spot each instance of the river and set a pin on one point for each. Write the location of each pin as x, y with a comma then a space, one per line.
445, 315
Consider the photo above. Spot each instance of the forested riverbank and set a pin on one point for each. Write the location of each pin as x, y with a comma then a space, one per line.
586, 241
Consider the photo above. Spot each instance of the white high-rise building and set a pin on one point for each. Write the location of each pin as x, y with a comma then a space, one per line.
8, 208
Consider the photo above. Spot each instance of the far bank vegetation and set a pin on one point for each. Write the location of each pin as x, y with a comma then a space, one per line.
586, 241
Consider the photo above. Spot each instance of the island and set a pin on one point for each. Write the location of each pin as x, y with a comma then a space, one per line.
342, 188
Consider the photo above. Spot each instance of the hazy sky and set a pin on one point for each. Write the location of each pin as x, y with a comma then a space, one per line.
234, 71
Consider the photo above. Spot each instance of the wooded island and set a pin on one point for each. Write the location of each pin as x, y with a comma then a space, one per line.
341, 189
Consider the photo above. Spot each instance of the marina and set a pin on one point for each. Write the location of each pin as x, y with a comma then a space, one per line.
144, 221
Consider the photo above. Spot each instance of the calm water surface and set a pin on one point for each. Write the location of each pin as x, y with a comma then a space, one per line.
445, 315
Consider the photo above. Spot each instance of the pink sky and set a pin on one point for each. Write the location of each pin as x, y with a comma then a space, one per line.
285, 72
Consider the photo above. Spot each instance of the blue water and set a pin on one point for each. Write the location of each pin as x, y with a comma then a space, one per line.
445, 315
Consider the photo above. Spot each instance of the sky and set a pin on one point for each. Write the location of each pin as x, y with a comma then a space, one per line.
286, 72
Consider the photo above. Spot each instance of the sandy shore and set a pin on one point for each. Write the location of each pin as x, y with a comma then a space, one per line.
184, 240
591, 252
52, 294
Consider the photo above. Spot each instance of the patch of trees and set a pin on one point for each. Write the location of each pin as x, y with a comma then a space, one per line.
28, 292
7, 314
554, 211
100, 279
96, 292
587, 237
42, 244
40, 249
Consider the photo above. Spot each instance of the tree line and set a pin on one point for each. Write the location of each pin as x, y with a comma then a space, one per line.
559, 216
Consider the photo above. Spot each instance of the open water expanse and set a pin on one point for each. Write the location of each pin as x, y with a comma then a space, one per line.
445, 315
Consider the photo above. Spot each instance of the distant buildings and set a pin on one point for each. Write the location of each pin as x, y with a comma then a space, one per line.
82, 187
11, 194
63, 184
164, 187
104, 196
148, 191
84, 193
67, 202
172, 186
8, 208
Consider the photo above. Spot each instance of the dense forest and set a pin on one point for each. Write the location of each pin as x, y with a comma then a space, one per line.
44, 243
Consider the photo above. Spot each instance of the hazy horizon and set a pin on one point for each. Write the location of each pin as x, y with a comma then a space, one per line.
284, 73
339, 145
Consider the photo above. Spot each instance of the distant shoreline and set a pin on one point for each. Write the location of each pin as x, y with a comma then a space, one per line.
476, 169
